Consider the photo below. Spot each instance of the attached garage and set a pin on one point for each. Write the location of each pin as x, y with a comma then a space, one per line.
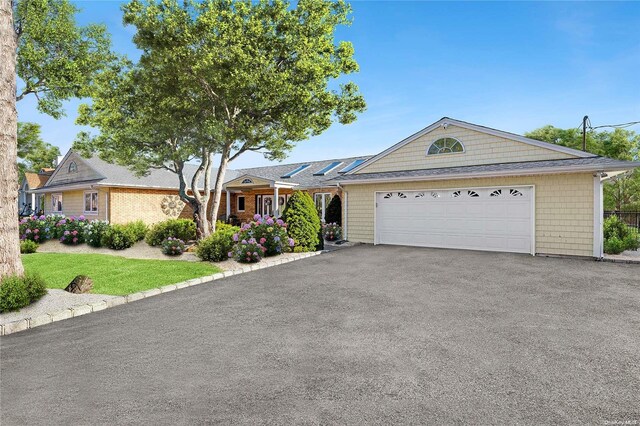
458, 185
494, 219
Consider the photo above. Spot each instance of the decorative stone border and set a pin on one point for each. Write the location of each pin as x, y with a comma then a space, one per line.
78, 310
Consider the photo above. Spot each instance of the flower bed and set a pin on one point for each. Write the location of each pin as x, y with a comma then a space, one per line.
266, 232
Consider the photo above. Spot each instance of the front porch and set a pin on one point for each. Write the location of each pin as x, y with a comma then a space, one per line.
250, 195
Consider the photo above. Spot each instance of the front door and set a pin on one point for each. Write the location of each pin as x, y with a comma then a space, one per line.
267, 205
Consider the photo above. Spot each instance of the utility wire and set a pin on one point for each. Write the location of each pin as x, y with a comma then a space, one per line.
617, 126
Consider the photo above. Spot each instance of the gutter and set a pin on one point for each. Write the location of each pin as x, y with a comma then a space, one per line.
528, 172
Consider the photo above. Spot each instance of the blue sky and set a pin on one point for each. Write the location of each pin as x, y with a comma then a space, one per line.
513, 66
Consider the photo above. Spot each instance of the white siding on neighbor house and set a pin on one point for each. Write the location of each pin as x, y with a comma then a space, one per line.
480, 148
62, 174
73, 204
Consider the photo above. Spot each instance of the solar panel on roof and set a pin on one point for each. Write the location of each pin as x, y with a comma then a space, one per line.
295, 171
351, 166
327, 169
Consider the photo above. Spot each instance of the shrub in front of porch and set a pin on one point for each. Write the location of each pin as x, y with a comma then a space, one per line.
269, 232
216, 247
303, 222
248, 251
332, 231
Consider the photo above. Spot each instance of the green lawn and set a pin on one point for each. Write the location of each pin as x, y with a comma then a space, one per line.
113, 274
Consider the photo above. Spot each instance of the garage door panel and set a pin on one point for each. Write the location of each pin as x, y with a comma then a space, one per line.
498, 222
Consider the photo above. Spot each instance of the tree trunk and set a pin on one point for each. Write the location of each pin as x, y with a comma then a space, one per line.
217, 190
201, 201
10, 263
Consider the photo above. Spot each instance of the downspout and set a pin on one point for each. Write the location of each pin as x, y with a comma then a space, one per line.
345, 217
598, 215
106, 207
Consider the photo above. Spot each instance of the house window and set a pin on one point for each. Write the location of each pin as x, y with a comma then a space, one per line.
91, 202
73, 167
445, 146
322, 200
240, 203
56, 203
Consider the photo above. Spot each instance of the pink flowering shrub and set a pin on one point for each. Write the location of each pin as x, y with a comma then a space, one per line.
248, 251
332, 231
270, 233
173, 246
72, 230
40, 228
34, 228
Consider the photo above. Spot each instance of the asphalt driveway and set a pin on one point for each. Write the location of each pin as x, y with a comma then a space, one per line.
361, 335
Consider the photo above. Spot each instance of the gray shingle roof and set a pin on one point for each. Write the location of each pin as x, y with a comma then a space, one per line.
548, 166
305, 179
117, 175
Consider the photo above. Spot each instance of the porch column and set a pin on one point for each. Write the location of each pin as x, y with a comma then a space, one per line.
276, 204
33, 203
228, 204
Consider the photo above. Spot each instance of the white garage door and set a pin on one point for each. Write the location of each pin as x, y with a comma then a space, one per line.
495, 219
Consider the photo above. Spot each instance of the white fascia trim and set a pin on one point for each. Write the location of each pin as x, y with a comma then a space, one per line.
598, 217
475, 175
70, 187
481, 129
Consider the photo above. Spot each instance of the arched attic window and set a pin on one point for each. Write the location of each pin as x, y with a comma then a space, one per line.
445, 146
73, 167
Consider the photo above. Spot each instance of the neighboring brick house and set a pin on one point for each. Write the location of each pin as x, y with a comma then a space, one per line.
100, 190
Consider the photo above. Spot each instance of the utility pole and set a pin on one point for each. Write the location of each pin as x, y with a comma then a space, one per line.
584, 133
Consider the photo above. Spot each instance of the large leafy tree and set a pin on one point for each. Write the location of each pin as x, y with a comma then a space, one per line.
34, 153
222, 77
620, 193
56, 60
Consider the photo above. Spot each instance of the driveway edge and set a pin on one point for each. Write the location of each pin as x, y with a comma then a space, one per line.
78, 310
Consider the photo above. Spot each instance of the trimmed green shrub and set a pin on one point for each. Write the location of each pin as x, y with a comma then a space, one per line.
217, 246
18, 292
138, 230
613, 245
28, 246
618, 236
94, 232
183, 229
117, 237
303, 223
333, 214
173, 246
632, 239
